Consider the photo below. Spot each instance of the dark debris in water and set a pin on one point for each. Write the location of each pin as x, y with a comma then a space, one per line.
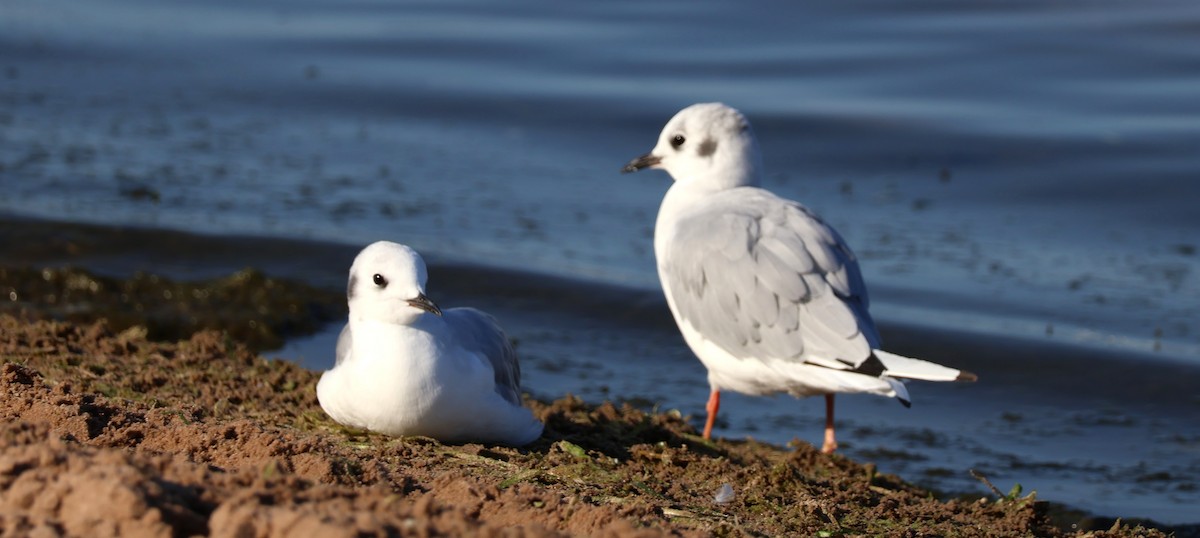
250, 306
1103, 417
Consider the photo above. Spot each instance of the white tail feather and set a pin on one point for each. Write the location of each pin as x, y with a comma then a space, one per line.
909, 368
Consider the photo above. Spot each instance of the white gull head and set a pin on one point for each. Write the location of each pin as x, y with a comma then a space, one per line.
709, 146
387, 284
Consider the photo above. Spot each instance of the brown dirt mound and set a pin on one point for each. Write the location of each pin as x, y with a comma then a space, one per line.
111, 434
256, 309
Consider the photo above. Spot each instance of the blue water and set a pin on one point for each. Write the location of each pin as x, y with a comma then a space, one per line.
1005, 169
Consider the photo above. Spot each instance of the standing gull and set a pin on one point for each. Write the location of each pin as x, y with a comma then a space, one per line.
405, 367
766, 294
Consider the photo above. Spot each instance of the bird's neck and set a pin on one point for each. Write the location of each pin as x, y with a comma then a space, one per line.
384, 314
679, 198
398, 342
719, 178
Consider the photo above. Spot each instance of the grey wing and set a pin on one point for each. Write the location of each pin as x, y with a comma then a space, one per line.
764, 277
343, 345
479, 332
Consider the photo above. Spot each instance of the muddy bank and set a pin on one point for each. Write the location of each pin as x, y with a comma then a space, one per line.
125, 250
201, 436
250, 306
82, 273
566, 328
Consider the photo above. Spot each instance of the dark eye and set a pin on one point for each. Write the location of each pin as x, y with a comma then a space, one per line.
677, 141
379, 280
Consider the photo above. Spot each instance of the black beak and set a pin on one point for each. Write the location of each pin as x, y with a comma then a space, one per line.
425, 304
645, 161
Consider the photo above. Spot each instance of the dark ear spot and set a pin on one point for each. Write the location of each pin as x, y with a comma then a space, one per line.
707, 147
350, 287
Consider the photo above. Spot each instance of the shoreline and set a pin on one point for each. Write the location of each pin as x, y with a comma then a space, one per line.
124, 250
234, 443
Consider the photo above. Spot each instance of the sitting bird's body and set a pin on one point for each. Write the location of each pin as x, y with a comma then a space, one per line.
767, 295
405, 367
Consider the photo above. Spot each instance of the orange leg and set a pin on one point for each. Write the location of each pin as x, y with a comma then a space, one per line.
830, 443
714, 403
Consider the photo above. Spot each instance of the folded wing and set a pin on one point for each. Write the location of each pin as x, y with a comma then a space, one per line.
478, 332
763, 277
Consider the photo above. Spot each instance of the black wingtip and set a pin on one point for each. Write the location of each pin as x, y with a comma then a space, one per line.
964, 375
904, 402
